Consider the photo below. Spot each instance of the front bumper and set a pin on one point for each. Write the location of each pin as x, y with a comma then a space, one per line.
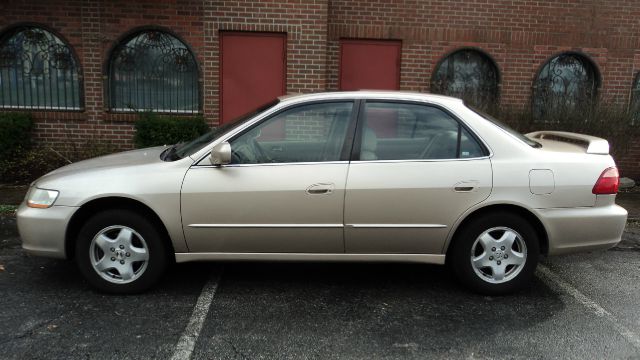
583, 229
43, 230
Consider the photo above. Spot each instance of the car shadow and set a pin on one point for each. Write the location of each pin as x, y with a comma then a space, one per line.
393, 308
399, 291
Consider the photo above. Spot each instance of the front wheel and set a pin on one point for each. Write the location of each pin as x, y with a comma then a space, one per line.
119, 251
496, 253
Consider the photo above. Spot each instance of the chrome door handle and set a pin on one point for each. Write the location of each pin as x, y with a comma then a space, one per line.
320, 189
317, 191
465, 186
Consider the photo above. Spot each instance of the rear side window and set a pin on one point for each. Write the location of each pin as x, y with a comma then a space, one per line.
469, 147
404, 131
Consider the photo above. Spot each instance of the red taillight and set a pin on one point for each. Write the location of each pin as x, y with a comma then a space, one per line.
607, 182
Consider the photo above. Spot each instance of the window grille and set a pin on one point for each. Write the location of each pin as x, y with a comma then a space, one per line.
153, 71
565, 84
38, 71
470, 75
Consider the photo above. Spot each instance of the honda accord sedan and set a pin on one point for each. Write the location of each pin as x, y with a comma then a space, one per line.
344, 176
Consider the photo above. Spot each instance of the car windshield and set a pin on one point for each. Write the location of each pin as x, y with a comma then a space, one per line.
186, 149
506, 127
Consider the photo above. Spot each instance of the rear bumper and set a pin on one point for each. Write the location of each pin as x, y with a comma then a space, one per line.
583, 229
43, 230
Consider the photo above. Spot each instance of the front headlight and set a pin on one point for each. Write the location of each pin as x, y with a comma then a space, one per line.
41, 198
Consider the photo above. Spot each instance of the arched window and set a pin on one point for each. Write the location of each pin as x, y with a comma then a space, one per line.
37, 71
566, 83
467, 74
153, 71
634, 107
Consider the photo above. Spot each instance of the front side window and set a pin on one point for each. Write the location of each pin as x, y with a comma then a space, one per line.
470, 75
566, 83
397, 131
308, 133
38, 71
153, 71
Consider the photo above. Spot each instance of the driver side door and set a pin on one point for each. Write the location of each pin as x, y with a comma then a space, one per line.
283, 191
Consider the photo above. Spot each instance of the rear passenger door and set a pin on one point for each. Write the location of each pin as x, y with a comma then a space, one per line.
415, 169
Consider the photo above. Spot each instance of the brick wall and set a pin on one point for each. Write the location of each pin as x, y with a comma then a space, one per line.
92, 28
519, 35
304, 22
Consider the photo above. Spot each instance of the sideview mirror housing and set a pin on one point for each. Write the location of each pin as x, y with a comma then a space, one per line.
221, 154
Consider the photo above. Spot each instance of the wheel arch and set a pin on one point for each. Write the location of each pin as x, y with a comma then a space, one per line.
109, 203
517, 209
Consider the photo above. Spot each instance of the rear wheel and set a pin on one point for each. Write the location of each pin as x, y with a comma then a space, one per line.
119, 251
495, 253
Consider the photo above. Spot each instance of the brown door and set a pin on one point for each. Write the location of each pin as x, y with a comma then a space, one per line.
253, 71
370, 64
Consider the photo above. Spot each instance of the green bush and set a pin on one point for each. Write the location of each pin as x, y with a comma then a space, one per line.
155, 130
608, 121
90, 147
24, 166
15, 133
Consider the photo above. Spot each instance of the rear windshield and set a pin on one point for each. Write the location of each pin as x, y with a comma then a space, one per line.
506, 128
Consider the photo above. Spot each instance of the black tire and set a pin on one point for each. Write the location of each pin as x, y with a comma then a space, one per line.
155, 247
460, 258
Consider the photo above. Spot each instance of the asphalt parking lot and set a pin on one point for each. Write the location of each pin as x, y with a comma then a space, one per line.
580, 306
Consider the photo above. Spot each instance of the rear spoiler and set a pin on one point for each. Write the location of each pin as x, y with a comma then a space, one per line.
593, 145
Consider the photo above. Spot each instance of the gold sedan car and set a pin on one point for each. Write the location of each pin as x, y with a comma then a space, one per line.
348, 176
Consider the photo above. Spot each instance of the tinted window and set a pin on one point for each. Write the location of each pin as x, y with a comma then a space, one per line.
308, 133
395, 131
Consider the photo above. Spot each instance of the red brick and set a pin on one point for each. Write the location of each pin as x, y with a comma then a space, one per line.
519, 35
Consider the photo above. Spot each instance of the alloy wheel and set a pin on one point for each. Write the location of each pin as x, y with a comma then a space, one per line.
119, 254
498, 255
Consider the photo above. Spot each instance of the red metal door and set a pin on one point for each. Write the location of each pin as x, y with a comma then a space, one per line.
370, 64
252, 71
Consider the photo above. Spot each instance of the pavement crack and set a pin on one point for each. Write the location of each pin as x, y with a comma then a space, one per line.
624, 249
236, 350
31, 330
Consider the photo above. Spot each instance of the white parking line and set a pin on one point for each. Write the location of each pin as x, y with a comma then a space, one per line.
189, 336
554, 280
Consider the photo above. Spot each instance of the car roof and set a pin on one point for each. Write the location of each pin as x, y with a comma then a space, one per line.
370, 94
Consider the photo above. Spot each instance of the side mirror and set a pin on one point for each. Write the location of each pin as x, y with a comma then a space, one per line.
221, 154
